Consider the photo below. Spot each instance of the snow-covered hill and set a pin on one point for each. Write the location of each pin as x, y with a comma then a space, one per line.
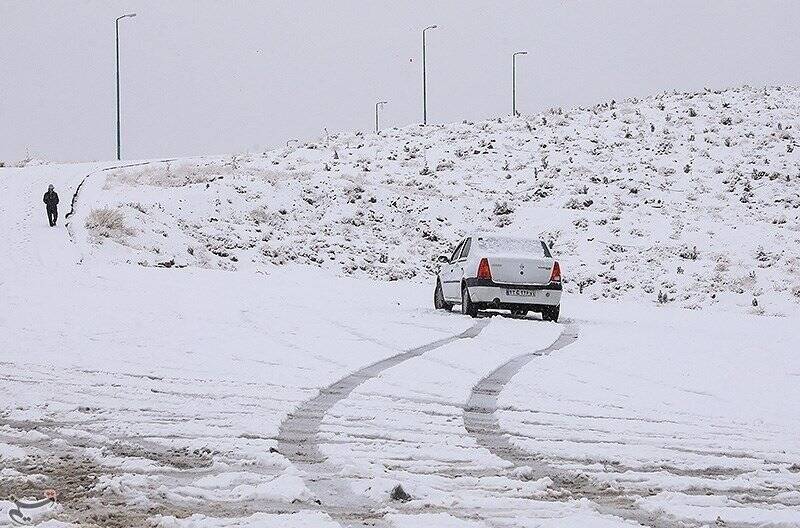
685, 198
285, 396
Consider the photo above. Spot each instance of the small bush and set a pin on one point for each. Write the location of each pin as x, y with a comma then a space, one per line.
399, 494
575, 203
445, 165
108, 223
502, 208
259, 215
689, 254
503, 221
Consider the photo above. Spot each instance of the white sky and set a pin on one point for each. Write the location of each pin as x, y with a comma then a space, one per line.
225, 76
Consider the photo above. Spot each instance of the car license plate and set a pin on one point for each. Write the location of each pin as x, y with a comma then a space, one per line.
520, 293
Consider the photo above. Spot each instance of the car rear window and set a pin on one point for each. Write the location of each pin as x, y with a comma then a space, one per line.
465, 251
457, 252
514, 246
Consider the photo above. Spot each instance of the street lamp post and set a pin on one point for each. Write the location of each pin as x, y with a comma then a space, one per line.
425, 79
378, 105
514, 81
130, 15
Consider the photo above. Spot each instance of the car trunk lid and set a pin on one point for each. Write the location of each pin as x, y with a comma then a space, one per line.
514, 269
517, 260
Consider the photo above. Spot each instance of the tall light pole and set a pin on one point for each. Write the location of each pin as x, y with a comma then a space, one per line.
131, 15
378, 105
514, 81
425, 79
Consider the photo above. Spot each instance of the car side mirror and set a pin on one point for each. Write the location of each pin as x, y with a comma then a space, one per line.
443, 258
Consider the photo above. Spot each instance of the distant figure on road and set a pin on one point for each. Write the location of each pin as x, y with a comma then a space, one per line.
51, 199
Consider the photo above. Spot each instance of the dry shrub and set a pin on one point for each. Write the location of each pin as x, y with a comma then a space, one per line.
108, 223
171, 174
259, 215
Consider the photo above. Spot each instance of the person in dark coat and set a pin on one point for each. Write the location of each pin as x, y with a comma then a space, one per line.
51, 200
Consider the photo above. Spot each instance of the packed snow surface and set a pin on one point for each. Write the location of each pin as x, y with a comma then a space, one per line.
154, 349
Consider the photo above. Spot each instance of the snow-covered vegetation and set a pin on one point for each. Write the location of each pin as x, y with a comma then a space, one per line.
108, 223
686, 198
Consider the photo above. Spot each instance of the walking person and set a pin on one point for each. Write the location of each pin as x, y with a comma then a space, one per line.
51, 200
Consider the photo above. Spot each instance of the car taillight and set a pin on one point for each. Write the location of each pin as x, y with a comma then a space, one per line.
555, 275
484, 272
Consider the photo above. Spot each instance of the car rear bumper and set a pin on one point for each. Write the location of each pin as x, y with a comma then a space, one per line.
489, 294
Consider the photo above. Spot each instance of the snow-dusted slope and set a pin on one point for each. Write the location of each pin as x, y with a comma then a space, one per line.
693, 196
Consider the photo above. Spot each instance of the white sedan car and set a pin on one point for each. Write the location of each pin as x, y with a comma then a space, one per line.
490, 271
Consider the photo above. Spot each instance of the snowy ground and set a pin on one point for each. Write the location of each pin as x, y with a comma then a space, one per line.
239, 386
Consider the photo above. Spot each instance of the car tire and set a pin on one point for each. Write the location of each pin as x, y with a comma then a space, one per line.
551, 313
438, 298
467, 306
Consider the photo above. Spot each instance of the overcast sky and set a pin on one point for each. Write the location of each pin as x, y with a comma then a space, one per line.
226, 76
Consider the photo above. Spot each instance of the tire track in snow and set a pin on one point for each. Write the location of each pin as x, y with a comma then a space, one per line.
298, 436
483, 425
480, 420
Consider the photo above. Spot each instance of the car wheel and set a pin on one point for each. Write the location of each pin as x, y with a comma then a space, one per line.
551, 313
438, 298
467, 307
